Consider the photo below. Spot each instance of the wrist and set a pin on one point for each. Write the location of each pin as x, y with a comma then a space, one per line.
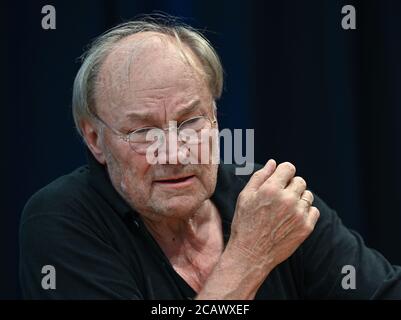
246, 259
244, 268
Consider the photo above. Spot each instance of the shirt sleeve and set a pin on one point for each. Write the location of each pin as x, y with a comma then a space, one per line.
331, 255
85, 266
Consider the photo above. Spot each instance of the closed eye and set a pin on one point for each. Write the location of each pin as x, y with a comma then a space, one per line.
144, 130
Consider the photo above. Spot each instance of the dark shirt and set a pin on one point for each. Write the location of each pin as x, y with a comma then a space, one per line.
101, 249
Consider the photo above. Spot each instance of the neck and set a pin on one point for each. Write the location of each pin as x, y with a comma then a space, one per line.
174, 233
193, 245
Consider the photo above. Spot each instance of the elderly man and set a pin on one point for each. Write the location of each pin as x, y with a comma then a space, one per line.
122, 227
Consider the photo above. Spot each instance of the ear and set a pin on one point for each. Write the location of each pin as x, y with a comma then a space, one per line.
93, 140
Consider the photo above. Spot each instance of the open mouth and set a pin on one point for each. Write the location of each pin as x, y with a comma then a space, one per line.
176, 182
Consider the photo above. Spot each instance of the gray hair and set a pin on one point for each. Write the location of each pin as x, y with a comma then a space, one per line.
83, 103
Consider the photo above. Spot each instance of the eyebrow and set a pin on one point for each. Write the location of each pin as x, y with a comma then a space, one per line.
135, 115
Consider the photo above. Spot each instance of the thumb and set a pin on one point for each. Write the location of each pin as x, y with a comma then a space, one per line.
260, 176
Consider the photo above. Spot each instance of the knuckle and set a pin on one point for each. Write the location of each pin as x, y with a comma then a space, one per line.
310, 195
301, 181
289, 166
258, 174
300, 214
241, 196
312, 210
270, 189
308, 228
315, 212
288, 200
300, 211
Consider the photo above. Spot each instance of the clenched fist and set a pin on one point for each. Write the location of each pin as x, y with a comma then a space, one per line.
273, 216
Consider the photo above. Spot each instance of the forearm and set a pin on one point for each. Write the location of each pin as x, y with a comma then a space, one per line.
235, 277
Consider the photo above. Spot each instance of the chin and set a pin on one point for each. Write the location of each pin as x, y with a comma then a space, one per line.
179, 206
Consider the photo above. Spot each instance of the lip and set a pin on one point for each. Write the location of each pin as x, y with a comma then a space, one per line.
176, 182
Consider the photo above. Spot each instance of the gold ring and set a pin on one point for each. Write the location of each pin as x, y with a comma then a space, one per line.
309, 203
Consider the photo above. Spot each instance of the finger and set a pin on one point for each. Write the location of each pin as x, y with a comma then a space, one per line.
307, 198
284, 173
260, 176
297, 185
313, 217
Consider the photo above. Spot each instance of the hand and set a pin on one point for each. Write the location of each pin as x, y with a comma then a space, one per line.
273, 216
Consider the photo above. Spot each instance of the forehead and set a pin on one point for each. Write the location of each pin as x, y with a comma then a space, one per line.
148, 70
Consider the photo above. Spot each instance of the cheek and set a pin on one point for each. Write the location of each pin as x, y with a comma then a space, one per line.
135, 178
128, 171
208, 177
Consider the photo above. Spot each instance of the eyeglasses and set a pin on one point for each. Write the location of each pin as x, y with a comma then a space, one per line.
142, 138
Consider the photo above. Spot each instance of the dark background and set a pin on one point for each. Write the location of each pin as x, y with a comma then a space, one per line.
324, 98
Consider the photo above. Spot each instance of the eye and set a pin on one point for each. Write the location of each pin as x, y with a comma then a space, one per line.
142, 130
141, 135
196, 123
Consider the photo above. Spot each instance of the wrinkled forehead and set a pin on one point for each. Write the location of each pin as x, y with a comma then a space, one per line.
147, 62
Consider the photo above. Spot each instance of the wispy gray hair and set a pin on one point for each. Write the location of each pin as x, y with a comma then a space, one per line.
83, 99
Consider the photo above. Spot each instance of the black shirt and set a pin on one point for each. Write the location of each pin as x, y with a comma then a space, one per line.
100, 248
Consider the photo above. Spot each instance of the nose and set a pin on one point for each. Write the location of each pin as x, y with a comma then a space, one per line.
171, 151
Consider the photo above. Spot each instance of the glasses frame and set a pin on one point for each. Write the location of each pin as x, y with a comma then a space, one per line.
126, 136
